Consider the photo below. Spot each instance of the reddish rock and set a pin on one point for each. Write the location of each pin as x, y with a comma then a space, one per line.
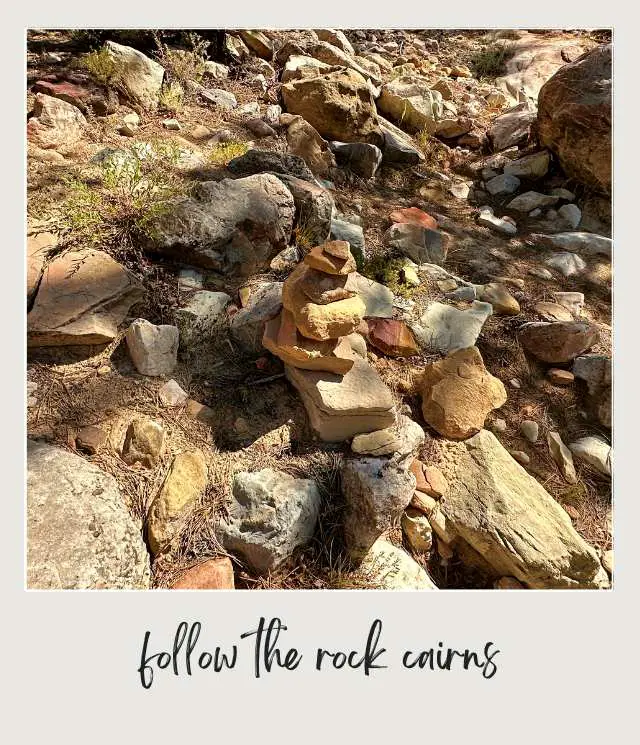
571, 511
91, 439
429, 479
558, 342
100, 102
214, 574
413, 216
392, 337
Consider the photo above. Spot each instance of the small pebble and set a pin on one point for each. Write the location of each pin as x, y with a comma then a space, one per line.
520, 456
515, 383
529, 429
499, 425
560, 377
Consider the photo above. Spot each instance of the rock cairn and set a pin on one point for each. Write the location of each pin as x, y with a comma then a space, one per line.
316, 336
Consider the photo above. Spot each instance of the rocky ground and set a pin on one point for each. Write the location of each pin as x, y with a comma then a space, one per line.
319, 309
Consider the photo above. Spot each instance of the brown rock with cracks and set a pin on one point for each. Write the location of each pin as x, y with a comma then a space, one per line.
558, 342
91, 438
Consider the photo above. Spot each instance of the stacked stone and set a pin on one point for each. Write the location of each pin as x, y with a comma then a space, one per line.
316, 337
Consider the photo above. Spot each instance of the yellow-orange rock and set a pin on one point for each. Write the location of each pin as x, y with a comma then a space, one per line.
458, 393
324, 288
331, 258
282, 338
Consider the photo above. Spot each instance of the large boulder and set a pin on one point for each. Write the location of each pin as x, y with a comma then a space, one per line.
232, 226
503, 513
574, 118
270, 515
54, 122
411, 102
533, 59
140, 77
339, 105
80, 534
82, 299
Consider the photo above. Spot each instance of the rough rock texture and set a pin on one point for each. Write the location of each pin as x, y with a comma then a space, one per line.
417, 530
422, 245
359, 157
230, 225
376, 491
314, 207
595, 370
81, 93
201, 316
257, 43
247, 326
512, 127
256, 161
458, 393
305, 142
578, 242
500, 299
409, 100
398, 148
143, 443
271, 514
533, 60
391, 568
140, 77
340, 407
574, 118
562, 456
39, 245
558, 342
339, 105
84, 306
511, 520
214, 574
54, 122
153, 349
443, 328
403, 438
594, 451
80, 534
282, 338
185, 482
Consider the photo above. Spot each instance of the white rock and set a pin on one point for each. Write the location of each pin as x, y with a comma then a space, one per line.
499, 224
572, 214
567, 263
171, 394
444, 328
393, 569
594, 451
562, 456
153, 349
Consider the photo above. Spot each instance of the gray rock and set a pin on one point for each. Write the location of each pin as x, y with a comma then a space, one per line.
594, 451
314, 208
499, 224
596, 371
504, 184
569, 196
541, 272
463, 293
529, 429
270, 515
398, 147
216, 70
80, 534
378, 298
443, 328
567, 263
420, 244
247, 325
272, 114
403, 438
190, 279
359, 157
201, 317
342, 230
232, 226
153, 349
532, 166
584, 244
263, 161
572, 214
221, 99
249, 109
376, 491
502, 512
531, 200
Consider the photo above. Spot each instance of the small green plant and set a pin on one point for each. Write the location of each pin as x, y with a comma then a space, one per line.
171, 97
435, 152
118, 209
102, 67
490, 62
388, 271
223, 152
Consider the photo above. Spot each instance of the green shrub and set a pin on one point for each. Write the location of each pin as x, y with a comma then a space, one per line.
101, 66
490, 62
171, 97
388, 271
223, 152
